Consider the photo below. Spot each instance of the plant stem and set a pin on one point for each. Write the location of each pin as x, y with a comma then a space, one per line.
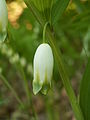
44, 32
28, 92
12, 90
64, 77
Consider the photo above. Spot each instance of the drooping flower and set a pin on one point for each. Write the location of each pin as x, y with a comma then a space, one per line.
43, 69
3, 20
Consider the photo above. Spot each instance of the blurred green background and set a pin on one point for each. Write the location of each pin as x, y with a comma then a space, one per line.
72, 33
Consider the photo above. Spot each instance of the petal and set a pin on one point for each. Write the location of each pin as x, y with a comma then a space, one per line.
45, 88
43, 69
43, 60
46, 85
37, 86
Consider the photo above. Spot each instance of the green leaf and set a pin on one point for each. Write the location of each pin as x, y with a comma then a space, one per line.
41, 5
58, 9
85, 93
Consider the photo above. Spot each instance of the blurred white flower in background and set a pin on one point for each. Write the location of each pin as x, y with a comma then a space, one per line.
14, 58
4, 48
9, 52
30, 69
23, 61
3, 20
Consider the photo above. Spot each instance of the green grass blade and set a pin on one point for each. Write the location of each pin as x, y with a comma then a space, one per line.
85, 93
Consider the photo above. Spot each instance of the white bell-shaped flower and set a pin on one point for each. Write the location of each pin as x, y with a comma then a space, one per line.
3, 20
43, 69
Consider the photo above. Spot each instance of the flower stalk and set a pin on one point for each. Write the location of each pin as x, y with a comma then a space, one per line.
44, 32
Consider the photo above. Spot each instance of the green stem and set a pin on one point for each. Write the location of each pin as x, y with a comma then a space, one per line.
13, 91
28, 92
44, 32
64, 77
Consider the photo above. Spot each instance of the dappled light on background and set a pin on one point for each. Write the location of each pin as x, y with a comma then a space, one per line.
15, 9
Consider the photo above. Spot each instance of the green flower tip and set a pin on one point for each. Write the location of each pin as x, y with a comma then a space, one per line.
45, 88
37, 87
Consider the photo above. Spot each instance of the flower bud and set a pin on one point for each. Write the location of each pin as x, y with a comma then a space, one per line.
43, 69
3, 20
